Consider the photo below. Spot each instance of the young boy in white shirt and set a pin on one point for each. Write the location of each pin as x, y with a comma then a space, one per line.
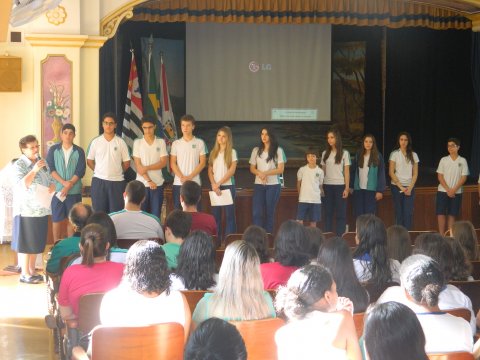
452, 173
309, 187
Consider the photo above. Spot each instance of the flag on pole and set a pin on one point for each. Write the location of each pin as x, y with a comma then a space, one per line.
168, 120
152, 103
133, 108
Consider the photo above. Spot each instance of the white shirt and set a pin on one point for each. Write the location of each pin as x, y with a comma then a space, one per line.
188, 156
109, 157
403, 169
363, 173
66, 154
219, 167
334, 172
262, 165
452, 171
363, 274
312, 179
136, 225
148, 155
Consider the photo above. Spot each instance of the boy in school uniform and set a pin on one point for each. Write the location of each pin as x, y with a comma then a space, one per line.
309, 187
452, 173
188, 157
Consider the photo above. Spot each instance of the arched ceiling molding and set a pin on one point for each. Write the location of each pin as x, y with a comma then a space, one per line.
109, 24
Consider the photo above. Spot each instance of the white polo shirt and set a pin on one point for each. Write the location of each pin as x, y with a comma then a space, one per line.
312, 179
403, 168
148, 155
188, 156
262, 165
334, 172
452, 171
109, 157
219, 167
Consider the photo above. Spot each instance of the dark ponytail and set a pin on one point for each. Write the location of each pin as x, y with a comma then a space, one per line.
94, 243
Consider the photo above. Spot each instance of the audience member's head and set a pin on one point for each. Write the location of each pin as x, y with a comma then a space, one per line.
78, 216
465, 233
196, 261
292, 246
399, 244
178, 224
336, 256
385, 338
438, 248
258, 238
190, 193
93, 244
461, 266
135, 192
215, 339
146, 269
422, 279
315, 235
106, 222
309, 288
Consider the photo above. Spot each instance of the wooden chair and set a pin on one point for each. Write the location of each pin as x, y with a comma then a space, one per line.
460, 312
329, 234
476, 269
472, 290
452, 356
358, 320
160, 341
193, 297
231, 238
375, 290
219, 253
349, 237
259, 337
477, 231
270, 240
415, 233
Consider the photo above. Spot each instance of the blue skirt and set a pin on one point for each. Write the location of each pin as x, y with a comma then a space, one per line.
29, 234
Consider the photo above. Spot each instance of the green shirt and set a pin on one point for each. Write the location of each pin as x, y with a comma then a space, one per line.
65, 247
171, 252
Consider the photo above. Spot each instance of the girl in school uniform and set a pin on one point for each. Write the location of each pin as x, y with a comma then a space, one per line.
222, 164
267, 163
368, 177
336, 166
403, 171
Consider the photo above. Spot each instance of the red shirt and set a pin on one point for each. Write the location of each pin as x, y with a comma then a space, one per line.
275, 274
205, 222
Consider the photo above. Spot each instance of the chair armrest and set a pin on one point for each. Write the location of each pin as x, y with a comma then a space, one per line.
78, 353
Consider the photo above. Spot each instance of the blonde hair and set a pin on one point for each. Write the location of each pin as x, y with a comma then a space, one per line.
239, 294
228, 147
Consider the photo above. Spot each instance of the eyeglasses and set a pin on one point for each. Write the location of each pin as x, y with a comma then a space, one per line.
107, 123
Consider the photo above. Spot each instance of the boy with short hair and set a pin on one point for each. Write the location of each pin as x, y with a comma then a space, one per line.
188, 158
452, 173
309, 187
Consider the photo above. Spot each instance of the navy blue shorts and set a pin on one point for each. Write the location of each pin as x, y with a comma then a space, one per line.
309, 211
446, 205
60, 209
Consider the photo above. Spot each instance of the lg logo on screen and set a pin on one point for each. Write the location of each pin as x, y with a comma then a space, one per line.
254, 67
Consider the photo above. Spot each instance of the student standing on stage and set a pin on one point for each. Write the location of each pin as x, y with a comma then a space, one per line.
336, 165
267, 163
108, 157
309, 187
367, 177
188, 158
150, 157
452, 173
222, 164
67, 165
403, 171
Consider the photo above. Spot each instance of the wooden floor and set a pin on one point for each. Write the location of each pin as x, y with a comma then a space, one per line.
23, 334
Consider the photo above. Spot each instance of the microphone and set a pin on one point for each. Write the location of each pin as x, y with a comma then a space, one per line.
43, 168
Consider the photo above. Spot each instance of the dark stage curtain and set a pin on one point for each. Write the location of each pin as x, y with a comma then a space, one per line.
475, 157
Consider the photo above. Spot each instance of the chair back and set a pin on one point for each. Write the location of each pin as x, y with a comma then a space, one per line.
414, 233
476, 269
375, 290
472, 290
160, 341
232, 237
358, 320
477, 231
349, 237
452, 356
460, 312
219, 254
259, 337
329, 234
193, 297
89, 312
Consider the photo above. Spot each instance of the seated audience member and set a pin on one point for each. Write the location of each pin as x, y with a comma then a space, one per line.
144, 296
370, 258
399, 244
422, 283
132, 222
465, 233
94, 274
78, 215
258, 238
239, 294
320, 324
215, 339
177, 227
190, 195
315, 235
386, 339
461, 266
336, 256
292, 250
196, 263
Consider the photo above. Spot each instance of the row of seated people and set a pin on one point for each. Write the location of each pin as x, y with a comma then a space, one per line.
292, 236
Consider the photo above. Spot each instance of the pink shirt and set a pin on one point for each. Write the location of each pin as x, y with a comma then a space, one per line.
275, 274
78, 280
203, 221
